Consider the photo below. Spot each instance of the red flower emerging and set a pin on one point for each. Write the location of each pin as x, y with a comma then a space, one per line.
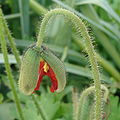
45, 69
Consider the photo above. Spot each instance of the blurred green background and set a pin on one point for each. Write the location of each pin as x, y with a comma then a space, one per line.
102, 18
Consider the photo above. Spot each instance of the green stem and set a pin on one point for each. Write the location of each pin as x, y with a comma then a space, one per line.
16, 54
82, 30
39, 108
11, 40
8, 69
84, 96
37, 7
75, 103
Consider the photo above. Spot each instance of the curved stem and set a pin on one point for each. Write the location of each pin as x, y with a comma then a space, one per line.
82, 30
86, 93
107, 66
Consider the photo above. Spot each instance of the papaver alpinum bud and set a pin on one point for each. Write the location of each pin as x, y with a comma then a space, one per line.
36, 63
29, 71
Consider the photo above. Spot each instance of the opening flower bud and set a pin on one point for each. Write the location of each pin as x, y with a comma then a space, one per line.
35, 65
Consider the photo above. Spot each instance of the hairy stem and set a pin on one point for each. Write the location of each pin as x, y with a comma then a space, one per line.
11, 40
82, 30
3, 24
105, 64
43, 116
8, 69
75, 103
84, 96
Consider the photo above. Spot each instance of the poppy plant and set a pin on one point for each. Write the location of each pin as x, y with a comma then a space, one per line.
45, 69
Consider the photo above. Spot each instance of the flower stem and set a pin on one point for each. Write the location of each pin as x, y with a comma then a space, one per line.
82, 30
84, 96
107, 66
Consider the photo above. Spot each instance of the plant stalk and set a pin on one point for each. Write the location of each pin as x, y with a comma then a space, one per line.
8, 69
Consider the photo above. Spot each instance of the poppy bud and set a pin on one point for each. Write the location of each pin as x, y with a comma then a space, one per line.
36, 63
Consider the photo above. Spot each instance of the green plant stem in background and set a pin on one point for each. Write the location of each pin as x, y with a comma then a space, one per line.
108, 67
84, 96
43, 116
111, 50
8, 69
37, 7
81, 30
10, 39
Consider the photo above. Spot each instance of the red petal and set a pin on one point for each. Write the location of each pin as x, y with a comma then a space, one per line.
54, 81
50, 74
41, 66
40, 76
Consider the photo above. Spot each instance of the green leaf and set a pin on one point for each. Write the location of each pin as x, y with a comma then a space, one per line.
64, 112
50, 106
1, 98
8, 111
30, 111
86, 18
103, 4
115, 108
24, 10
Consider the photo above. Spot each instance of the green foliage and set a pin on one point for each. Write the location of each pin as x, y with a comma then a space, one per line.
114, 108
103, 20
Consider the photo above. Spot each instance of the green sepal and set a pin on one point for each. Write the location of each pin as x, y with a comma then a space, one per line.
57, 65
29, 70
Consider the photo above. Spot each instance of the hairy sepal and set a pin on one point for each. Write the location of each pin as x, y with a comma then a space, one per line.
57, 65
29, 71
